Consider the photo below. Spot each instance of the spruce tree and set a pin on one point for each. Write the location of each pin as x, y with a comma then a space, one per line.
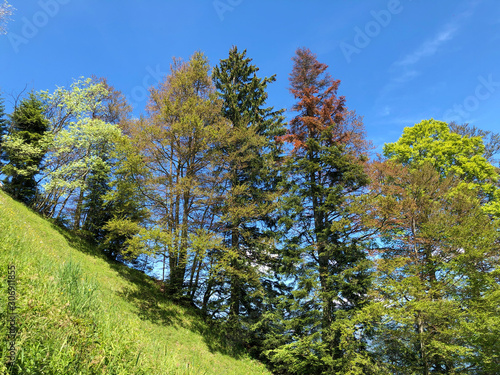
252, 158
25, 149
124, 201
95, 210
322, 254
3, 131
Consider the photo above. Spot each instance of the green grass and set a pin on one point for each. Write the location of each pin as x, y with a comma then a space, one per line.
81, 314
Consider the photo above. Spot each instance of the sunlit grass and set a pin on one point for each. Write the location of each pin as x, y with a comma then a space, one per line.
80, 314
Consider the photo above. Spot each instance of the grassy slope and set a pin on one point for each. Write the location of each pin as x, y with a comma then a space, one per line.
80, 314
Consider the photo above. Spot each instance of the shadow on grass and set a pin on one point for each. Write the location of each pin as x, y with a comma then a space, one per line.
154, 306
76, 242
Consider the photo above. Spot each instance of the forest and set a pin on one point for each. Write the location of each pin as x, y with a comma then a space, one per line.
307, 248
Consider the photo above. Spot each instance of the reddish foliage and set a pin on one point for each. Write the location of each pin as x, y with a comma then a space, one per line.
320, 108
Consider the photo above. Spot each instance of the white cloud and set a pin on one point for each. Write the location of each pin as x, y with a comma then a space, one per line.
386, 111
396, 82
406, 69
429, 47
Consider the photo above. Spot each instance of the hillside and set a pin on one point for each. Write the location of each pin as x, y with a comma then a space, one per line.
78, 313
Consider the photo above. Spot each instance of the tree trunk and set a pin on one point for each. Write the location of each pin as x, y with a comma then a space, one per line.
235, 279
423, 352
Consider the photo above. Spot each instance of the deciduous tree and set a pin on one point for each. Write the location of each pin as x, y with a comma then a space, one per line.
437, 247
433, 142
81, 142
179, 140
436, 259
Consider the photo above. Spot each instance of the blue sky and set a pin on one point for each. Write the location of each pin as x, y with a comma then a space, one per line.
399, 61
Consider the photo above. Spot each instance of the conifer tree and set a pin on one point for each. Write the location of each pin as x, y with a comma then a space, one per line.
3, 131
252, 158
123, 200
96, 213
25, 149
322, 255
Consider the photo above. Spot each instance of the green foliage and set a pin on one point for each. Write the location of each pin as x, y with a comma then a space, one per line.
77, 149
314, 262
123, 200
322, 255
433, 142
78, 157
176, 170
25, 148
491, 140
251, 171
435, 268
4, 130
96, 212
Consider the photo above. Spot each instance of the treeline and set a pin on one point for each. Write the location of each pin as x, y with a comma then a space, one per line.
316, 258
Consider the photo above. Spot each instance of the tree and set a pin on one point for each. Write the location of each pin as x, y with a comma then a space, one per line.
123, 200
436, 262
25, 148
490, 140
178, 142
491, 153
114, 108
323, 254
5, 11
4, 131
252, 159
435, 267
95, 210
433, 142
81, 142
96, 213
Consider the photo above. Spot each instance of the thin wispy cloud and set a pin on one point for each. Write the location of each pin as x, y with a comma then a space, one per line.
405, 69
405, 77
429, 47
447, 33
392, 85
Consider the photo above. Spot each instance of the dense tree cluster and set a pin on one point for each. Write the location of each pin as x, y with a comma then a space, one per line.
308, 253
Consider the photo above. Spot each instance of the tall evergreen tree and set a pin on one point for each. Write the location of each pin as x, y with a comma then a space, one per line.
252, 157
322, 254
25, 149
96, 213
124, 200
3, 131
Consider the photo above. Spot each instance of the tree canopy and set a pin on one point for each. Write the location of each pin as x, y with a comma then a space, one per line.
288, 237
